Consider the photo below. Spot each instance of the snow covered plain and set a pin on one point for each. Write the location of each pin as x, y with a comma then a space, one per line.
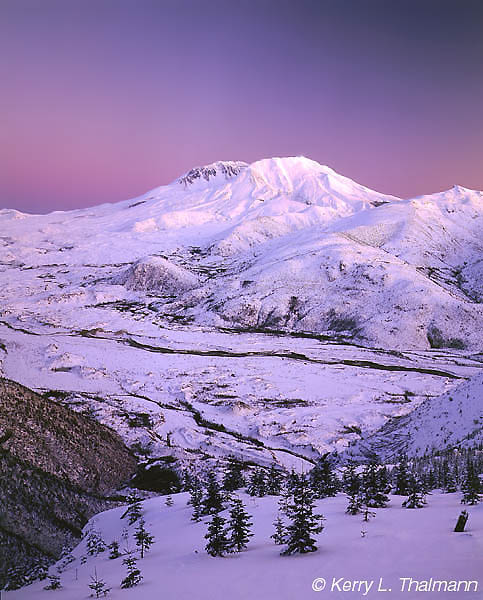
398, 543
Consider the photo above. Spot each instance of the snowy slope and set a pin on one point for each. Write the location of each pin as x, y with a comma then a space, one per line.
453, 419
398, 543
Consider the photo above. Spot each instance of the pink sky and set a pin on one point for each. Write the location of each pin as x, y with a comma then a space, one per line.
103, 100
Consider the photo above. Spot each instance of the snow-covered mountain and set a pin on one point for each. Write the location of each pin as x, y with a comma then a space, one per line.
280, 299
279, 244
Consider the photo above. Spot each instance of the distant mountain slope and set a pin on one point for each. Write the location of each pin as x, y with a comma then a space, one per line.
283, 243
452, 420
56, 469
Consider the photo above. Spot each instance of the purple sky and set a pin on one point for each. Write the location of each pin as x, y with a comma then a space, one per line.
102, 100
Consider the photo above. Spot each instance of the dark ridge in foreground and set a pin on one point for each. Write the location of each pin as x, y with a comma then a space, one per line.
57, 469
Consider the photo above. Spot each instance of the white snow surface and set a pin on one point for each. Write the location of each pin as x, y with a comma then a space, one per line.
398, 543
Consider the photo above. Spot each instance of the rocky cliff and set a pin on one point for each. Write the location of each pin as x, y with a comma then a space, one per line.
57, 469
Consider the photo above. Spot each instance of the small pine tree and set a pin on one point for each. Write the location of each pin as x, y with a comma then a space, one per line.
367, 514
144, 540
323, 480
133, 511
285, 495
402, 477
187, 481
304, 523
133, 576
218, 542
94, 543
415, 493
355, 504
449, 482
213, 500
114, 550
98, 586
351, 482
291, 482
233, 477
169, 500
196, 499
66, 558
470, 485
257, 485
280, 534
239, 526
54, 583
374, 485
274, 481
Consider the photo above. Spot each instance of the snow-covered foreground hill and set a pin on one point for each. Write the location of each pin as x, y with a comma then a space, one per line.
398, 543
281, 301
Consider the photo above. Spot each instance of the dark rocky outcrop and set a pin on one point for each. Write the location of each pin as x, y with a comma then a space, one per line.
57, 469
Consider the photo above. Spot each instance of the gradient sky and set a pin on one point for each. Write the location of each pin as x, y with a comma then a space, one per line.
102, 100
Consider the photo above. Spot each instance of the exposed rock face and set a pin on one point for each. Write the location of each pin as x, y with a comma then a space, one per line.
57, 469
228, 168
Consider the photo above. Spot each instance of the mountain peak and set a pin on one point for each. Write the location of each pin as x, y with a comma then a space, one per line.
226, 168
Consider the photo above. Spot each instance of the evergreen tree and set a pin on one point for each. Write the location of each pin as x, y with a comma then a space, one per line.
114, 550
187, 481
54, 583
402, 477
367, 514
257, 485
196, 499
94, 543
303, 522
373, 488
355, 504
279, 536
383, 479
213, 500
218, 543
449, 480
19, 576
233, 477
429, 481
291, 482
274, 481
471, 485
133, 512
239, 526
415, 493
98, 586
351, 482
133, 576
285, 495
144, 540
323, 479
169, 500
66, 558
